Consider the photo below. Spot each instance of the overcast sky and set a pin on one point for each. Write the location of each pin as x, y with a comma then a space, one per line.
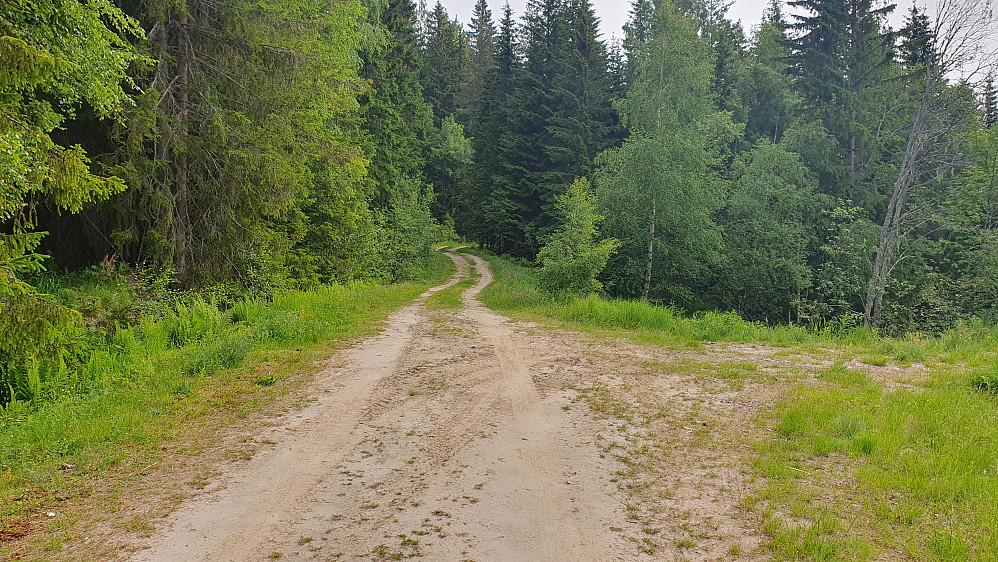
613, 13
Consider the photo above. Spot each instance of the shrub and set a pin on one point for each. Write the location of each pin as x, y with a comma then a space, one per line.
572, 257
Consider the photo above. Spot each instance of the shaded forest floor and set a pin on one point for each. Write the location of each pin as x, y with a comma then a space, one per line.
458, 434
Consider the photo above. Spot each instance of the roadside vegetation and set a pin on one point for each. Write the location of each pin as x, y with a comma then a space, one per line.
148, 371
851, 466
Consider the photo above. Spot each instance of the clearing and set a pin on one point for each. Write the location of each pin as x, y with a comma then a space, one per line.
458, 434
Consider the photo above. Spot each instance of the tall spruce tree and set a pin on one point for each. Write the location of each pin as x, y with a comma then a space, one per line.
483, 41
765, 89
589, 114
397, 120
55, 56
989, 103
840, 57
638, 30
496, 211
915, 38
445, 59
222, 157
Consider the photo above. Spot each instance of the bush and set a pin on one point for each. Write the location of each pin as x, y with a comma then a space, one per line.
572, 258
985, 381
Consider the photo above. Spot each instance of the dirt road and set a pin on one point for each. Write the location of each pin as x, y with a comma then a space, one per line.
459, 435
432, 439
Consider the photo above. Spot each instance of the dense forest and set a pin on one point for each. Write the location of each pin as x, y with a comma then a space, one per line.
823, 169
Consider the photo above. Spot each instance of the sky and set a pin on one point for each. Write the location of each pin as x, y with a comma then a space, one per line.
613, 13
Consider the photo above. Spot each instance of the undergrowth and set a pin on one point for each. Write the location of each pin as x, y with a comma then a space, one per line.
139, 381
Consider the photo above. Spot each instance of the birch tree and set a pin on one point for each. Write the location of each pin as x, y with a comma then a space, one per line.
656, 187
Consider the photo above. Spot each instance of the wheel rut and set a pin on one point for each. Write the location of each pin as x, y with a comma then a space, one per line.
434, 439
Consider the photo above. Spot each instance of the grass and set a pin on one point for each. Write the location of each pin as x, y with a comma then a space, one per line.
450, 298
515, 292
195, 369
861, 470
853, 469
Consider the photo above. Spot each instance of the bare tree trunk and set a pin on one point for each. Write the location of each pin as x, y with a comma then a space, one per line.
890, 234
651, 250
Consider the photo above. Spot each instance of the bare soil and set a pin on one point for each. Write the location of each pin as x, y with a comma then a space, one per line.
461, 435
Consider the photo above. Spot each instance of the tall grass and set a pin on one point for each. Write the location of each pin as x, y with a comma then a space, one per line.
516, 291
137, 385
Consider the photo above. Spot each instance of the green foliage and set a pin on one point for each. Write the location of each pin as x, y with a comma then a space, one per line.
767, 237
55, 56
543, 120
655, 190
446, 56
573, 258
398, 122
985, 380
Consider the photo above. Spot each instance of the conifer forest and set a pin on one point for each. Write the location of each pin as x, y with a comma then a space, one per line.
199, 198
821, 169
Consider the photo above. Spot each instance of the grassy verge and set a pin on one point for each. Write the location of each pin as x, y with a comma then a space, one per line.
857, 471
192, 371
515, 291
902, 467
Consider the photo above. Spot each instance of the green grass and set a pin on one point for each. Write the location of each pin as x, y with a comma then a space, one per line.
196, 367
450, 298
853, 469
863, 469
515, 292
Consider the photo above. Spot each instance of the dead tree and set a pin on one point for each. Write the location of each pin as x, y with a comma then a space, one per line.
962, 44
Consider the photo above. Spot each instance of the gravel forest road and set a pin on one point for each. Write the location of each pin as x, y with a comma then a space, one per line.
449, 436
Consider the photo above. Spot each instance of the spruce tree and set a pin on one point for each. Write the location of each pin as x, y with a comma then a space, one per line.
445, 58
483, 41
989, 103
637, 31
589, 82
915, 38
840, 57
540, 146
764, 87
397, 120
496, 224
